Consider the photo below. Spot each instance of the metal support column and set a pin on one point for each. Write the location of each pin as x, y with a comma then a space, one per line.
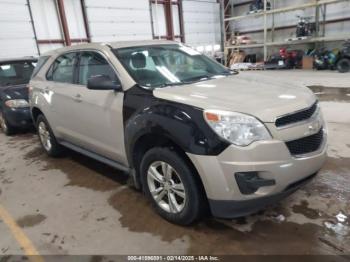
33, 26
222, 25
64, 23
265, 31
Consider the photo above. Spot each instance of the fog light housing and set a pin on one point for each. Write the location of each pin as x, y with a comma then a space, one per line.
250, 182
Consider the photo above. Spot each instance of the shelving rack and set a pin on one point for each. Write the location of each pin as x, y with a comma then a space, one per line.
227, 16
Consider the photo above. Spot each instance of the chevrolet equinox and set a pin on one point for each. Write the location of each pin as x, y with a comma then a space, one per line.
193, 135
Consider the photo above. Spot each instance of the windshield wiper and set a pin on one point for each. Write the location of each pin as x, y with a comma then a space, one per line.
170, 84
196, 78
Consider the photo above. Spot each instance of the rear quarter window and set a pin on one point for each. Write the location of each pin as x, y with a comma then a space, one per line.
41, 62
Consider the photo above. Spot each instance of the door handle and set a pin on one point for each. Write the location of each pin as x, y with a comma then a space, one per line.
77, 98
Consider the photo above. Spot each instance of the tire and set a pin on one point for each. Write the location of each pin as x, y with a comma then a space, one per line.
47, 138
5, 126
343, 65
190, 199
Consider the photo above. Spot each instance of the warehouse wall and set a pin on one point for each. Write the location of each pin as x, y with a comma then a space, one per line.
111, 20
333, 12
16, 30
202, 22
46, 23
108, 20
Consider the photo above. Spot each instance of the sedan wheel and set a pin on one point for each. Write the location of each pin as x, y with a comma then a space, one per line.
166, 187
3, 124
45, 136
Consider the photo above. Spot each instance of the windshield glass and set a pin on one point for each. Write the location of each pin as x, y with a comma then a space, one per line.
163, 65
16, 73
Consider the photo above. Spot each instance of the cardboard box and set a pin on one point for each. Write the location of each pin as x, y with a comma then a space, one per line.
308, 62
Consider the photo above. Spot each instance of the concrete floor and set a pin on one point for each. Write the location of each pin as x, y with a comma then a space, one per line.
75, 205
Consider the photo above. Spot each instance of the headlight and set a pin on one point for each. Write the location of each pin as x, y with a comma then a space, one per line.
237, 128
17, 103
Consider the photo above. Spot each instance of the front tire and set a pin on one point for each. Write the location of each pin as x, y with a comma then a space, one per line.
5, 126
343, 65
47, 138
170, 184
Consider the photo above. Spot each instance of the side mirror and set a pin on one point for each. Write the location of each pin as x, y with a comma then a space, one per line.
103, 82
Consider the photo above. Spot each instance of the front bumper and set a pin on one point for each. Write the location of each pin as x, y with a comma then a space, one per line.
233, 208
18, 117
270, 159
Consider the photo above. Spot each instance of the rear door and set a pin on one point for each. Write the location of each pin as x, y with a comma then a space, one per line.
99, 112
61, 90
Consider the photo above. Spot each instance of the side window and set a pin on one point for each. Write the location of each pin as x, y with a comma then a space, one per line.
93, 64
62, 70
41, 62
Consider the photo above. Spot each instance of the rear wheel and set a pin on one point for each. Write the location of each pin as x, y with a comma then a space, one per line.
5, 126
47, 138
171, 186
343, 65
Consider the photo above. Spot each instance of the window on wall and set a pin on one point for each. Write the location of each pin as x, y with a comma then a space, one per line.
167, 19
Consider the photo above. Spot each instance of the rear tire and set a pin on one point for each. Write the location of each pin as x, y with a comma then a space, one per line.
47, 138
343, 65
176, 195
5, 126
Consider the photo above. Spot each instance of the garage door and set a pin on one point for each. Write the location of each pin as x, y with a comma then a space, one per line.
202, 23
111, 20
16, 35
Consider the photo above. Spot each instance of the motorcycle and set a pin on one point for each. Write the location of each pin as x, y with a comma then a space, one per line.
258, 5
343, 63
325, 59
304, 27
285, 59
291, 58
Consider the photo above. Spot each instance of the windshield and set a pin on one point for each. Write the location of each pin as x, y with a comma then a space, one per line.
163, 65
16, 73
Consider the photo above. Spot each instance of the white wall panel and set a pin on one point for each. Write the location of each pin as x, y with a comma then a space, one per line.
16, 31
201, 22
176, 20
75, 18
115, 20
159, 23
46, 19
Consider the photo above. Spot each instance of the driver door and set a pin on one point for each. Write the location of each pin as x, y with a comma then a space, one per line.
99, 112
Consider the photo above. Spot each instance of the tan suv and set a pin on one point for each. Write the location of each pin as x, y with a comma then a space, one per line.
191, 133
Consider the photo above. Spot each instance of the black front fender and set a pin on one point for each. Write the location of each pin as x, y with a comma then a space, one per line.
184, 125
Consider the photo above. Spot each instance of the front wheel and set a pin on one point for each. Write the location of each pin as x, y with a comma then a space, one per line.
343, 65
47, 138
5, 126
171, 186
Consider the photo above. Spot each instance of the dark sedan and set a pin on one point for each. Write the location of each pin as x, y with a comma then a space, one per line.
14, 108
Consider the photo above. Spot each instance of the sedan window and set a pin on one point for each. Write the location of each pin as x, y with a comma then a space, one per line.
16, 73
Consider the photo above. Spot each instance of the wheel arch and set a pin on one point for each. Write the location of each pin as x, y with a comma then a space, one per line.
148, 141
35, 113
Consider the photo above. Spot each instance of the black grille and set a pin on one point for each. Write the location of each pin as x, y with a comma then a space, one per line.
296, 117
306, 145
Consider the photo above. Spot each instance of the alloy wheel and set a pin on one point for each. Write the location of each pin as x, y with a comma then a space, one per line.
166, 187
45, 136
